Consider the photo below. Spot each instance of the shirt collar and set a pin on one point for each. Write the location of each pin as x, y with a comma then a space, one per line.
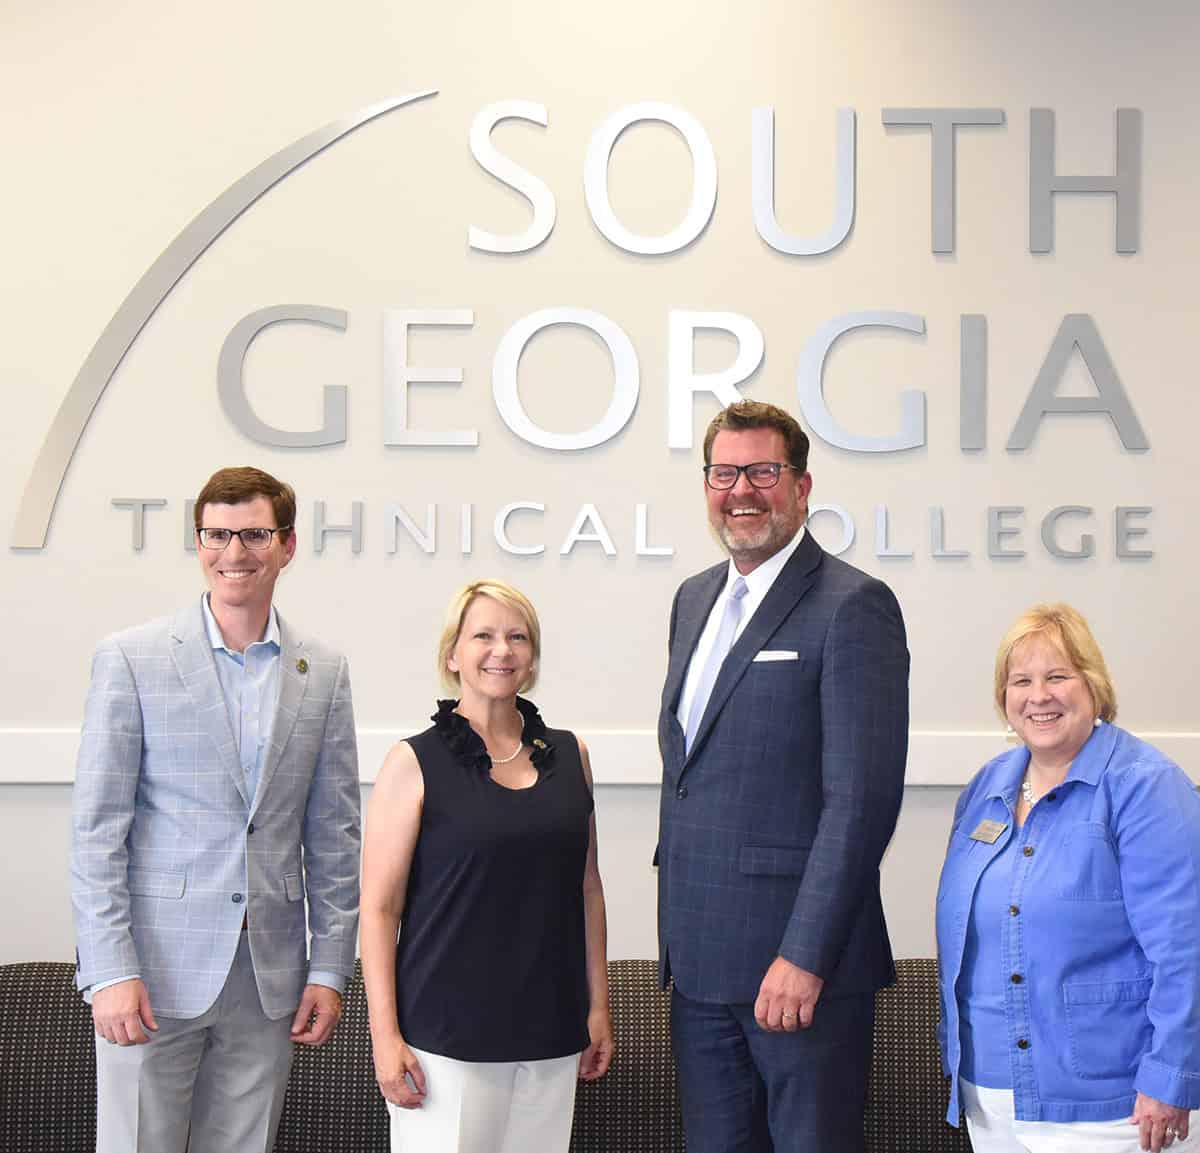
1091, 761
270, 636
1009, 776
1088, 766
763, 577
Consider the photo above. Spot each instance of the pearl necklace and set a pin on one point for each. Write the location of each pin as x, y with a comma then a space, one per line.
513, 755
1027, 791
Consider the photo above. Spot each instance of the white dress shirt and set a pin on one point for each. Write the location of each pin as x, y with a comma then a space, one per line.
758, 584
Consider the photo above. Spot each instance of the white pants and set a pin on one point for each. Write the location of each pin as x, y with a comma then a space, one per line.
993, 1128
489, 1107
221, 1076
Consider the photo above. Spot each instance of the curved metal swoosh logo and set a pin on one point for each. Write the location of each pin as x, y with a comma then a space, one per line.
50, 468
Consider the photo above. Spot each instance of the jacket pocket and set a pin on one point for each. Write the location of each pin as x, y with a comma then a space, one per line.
773, 860
153, 883
292, 889
1107, 1026
1087, 869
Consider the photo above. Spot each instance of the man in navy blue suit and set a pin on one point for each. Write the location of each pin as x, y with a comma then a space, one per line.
783, 732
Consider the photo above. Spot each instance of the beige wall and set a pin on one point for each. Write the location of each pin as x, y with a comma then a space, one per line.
127, 122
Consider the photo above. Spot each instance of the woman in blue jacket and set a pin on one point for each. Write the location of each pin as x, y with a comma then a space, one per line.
1067, 918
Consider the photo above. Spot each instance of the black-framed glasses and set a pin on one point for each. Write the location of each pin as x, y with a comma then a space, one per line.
255, 539
760, 474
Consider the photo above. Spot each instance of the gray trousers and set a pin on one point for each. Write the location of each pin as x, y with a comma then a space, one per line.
211, 1084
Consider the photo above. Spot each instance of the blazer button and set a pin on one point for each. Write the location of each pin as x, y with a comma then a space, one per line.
250, 828
238, 898
681, 792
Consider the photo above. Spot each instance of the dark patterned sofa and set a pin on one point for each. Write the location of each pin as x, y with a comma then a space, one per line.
47, 1074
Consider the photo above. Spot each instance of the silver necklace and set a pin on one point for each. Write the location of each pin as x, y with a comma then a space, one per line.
513, 755
1027, 791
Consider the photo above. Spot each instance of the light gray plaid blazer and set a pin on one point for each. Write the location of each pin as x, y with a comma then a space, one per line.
169, 851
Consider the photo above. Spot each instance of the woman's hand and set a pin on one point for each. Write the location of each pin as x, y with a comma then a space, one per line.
596, 1058
393, 1060
1159, 1124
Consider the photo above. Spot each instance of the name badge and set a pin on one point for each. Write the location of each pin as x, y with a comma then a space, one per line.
988, 831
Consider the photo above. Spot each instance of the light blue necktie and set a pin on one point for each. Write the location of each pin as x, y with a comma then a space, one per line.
716, 658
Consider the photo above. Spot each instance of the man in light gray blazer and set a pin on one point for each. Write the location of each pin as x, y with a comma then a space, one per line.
216, 797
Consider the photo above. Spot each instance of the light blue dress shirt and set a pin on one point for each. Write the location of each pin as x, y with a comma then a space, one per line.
250, 686
1098, 945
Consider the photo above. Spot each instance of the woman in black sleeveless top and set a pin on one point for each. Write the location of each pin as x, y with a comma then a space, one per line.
480, 855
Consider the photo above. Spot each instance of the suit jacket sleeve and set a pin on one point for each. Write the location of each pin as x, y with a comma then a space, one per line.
106, 780
864, 745
331, 838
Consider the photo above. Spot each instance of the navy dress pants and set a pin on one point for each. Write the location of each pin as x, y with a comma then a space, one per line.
746, 1090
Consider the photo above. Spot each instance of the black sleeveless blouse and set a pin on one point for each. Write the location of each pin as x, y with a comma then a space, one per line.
491, 963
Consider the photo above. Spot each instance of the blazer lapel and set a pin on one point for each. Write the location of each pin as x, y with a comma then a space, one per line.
793, 582
292, 686
693, 611
192, 655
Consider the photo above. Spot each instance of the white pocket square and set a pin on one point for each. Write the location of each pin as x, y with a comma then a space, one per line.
776, 655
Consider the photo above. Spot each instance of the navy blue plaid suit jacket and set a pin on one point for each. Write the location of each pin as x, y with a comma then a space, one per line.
772, 829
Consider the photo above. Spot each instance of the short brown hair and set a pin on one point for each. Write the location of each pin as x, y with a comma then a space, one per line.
1067, 630
748, 414
497, 590
240, 485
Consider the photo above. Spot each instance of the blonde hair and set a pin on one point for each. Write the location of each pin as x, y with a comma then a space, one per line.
1067, 630
504, 594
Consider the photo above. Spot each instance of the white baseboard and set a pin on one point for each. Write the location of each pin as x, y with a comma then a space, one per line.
619, 756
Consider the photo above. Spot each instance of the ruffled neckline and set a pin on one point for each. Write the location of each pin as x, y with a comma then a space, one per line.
468, 747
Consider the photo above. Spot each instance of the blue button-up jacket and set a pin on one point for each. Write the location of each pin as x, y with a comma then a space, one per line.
1099, 941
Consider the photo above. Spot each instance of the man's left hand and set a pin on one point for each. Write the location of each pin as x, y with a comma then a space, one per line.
320, 1009
787, 997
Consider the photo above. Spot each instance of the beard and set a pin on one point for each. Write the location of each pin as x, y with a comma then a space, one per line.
759, 543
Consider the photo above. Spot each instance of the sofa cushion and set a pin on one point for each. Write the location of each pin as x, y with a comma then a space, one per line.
48, 1080
47, 1061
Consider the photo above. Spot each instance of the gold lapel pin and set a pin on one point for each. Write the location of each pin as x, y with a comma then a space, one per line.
302, 666
538, 743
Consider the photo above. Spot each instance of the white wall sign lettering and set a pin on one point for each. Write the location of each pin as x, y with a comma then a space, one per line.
1067, 531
